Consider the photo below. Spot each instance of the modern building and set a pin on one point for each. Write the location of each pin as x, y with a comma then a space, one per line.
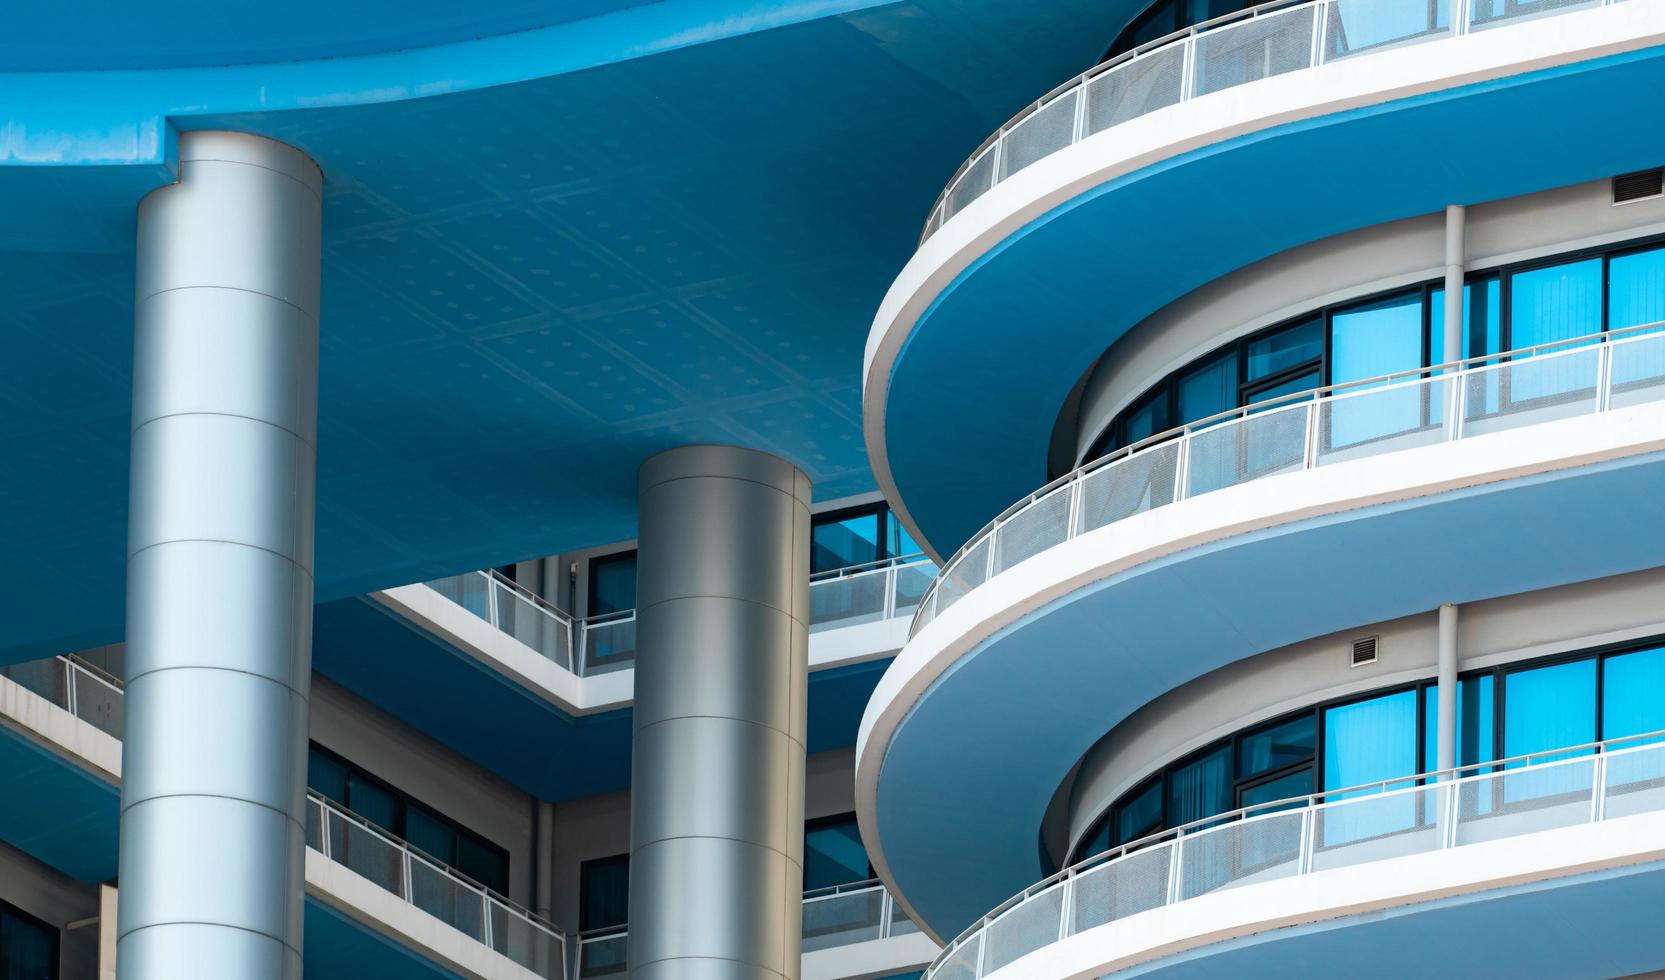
487, 494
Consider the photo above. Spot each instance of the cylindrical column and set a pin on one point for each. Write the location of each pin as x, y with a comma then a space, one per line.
1445, 733
219, 565
722, 668
1455, 217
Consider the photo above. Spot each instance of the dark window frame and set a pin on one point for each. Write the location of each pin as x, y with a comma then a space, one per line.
55, 962
609, 861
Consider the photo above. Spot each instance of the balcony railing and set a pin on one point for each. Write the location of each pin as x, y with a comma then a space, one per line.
1246, 46
833, 917
600, 644
440, 891
1300, 836
76, 686
1421, 407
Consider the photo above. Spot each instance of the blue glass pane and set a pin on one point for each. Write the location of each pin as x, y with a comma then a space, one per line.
1273, 748
1383, 337
1286, 787
1549, 708
612, 584
1200, 789
1370, 740
1301, 382
1285, 349
1633, 694
1475, 725
834, 854
901, 542
1141, 815
1555, 303
1096, 841
841, 543
1147, 418
432, 834
1636, 296
1209, 389
373, 802
326, 776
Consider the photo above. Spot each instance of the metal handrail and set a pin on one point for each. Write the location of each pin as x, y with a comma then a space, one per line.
866, 567
1465, 367
1307, 805
1461, 21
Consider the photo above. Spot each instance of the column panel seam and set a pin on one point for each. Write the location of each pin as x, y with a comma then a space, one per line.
733, 598
303, 695
226, 541
740, 721
303, 440
215, 925
126, 806
147, 297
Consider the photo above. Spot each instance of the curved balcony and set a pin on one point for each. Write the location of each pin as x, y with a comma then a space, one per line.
1306, 430
1214, 56
1092, 236
1322, 839
1237, 536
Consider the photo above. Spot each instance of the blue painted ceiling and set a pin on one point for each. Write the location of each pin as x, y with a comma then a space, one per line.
968, 424
591, 246
978, 758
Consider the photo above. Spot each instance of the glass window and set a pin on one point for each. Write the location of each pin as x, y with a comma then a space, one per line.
1200, 789
1273, 748
1285, 787
1370, 740
839, 542
1209, 389
1285, 349
483, 861
1549, 707
1147, 418
326, 775
1095, 841
1378, 338
431, 834
604, 892
1633, 693
1482, 334
1636, 289
833, 853
1141, 815
1555, 303
900, 542
1301, 382
28, 946
612, 583
1475, 725
372, 801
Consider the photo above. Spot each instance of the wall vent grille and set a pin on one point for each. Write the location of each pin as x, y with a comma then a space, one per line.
1639, 186
1364, 651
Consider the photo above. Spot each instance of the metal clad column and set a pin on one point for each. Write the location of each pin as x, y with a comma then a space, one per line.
219, 566
722, 667
1445, 731
1455, 232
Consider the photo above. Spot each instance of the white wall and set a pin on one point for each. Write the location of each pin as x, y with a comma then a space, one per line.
1355, 264
1520, 627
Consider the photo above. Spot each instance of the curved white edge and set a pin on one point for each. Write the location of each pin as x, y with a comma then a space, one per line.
1213, 517
78, 742
390, 916
429, 612
1356, 890
1365, 80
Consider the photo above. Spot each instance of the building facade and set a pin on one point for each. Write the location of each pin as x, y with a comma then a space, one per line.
516, 493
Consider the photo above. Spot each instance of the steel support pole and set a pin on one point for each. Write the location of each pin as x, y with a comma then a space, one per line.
1455, 220
1446, 731
219, 565
722, 669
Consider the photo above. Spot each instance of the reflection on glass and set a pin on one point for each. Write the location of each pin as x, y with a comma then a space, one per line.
1633, 694
1285, 349
1209, 389
1555, 303
1275, 747
1147, 419
833, 853
1141, 815
1200, 789
1365, 742
1549, 707
1636, 296
838, 544
612, 583
1381, 337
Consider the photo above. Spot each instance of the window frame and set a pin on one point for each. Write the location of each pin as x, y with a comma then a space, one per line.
55, 960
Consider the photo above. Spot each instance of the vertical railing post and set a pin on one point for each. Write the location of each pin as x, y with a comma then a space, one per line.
887, 912
1078, 131
982, 947
1598, 789
491, 601
1309, 456
1604, 377
1459, 399
1070, 528
407, 888
1176, 869
1453, 792
1182, 467
996, 152
1320, 20
69, 688
1066, 905
890, 591
1309, 833
485, 919
1188, 67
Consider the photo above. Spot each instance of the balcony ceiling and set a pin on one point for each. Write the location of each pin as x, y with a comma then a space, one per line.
560, 237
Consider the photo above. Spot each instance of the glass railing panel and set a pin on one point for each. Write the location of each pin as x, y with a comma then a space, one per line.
1043, 524
911, 582
534, 625
602, 956
972, 184
1255, 446
1252, 49
1023, 928
609, 645
1132, 485
48, 678
1353, 27
1635, 782
1136, 883
1144, 84
961, 962
1495, 13
1379, 826
970, 571
469, 590
842, 919
1242, 852
1638, 371
1526, 800
435, 891
97, 701
848, 600
1531, 390
1385, 419
365, 852
517, 937
1046, 131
